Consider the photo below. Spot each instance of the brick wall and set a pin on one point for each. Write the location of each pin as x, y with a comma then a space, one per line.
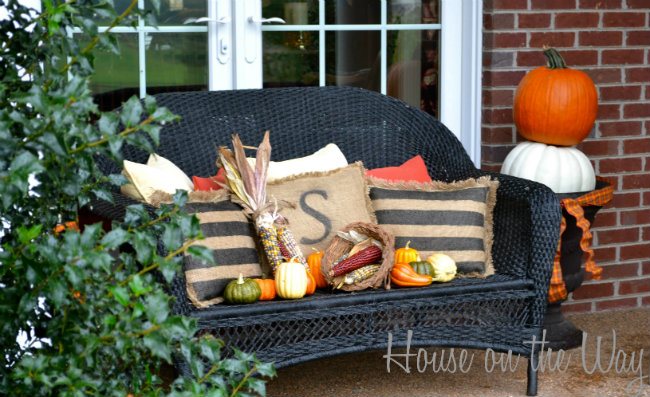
610, 40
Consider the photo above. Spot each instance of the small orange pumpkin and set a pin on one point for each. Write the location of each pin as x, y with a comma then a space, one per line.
311, 284
554, 104
314, 261
407, 254
267, 285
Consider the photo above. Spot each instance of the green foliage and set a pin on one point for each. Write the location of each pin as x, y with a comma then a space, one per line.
78, 315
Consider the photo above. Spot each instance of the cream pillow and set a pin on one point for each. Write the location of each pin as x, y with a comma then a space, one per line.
326, 159
145, 179
170, 169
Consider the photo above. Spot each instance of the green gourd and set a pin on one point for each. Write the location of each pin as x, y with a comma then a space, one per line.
242, 290
423, 267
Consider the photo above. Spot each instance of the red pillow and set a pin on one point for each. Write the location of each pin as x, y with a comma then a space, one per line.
206, 184
412, 170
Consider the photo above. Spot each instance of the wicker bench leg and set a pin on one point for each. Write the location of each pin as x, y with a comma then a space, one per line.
532, 376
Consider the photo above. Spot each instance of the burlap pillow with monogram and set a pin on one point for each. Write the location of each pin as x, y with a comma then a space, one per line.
323, 203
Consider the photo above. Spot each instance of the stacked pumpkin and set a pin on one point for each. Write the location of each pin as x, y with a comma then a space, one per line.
555, 108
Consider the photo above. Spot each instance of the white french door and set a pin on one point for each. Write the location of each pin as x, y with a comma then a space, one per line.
425, 52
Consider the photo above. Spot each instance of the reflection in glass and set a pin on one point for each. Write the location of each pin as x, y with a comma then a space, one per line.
175, 12
352, 12
294, 12
413, 68
176, 62
290, 63
353, 59
113, 72
413, 11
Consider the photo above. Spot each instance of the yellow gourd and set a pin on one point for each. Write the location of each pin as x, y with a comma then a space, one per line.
407, 254
291, 280
444, 267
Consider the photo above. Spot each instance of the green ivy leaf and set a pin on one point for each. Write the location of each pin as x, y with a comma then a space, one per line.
121, 295
114, 238
27, 234
131, 112
138, 287
202, 253
158, 346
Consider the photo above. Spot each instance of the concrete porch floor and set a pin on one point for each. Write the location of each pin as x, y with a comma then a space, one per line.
365, 375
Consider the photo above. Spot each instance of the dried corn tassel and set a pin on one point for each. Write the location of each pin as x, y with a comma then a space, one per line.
359, 275
286, 238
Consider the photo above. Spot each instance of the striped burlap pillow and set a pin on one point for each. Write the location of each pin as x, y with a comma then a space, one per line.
452, 218
230, 235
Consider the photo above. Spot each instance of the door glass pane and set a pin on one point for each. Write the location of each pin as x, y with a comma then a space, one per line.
290, 59
176, 62
175, 12
293, 12
413, 11
116, 78
346, 12
353, 59
413, 68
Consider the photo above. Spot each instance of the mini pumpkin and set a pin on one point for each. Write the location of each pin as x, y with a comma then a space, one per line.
291, 280
314, 261
242, 290
311, 284
267, 285
407, 254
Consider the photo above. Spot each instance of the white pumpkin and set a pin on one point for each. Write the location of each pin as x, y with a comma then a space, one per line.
563, 169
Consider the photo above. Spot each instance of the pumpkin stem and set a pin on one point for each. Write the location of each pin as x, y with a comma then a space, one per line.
240, 280
407, 244
555, 60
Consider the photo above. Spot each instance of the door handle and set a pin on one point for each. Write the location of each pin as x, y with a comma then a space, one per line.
265, 20
222, 20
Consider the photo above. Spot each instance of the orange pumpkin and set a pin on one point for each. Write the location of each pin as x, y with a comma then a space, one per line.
311, 284
554, 104
267, 285
407, 254
314, 261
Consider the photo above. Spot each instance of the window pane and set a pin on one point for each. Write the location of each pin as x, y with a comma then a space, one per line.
175, 12
413, 68
413, 11
292, 11
353, 59
176, 62
113, 72
345, 12
290, 59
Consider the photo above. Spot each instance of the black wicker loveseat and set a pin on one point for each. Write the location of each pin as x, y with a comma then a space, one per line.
500, 312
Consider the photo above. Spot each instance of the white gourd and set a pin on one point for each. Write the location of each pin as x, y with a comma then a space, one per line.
291, 280
563, 169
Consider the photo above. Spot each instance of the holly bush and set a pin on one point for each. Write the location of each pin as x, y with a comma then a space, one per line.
87, 313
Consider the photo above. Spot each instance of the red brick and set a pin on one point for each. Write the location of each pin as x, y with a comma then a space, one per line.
620, 128
497, 116
553, 4
620, 93
606, 254
645, 301
637, 251
605, 219
616, 304
599, 147
604, 75
633, 146
618, 236
580, 57
495, 154
623, 19
531, 21
497, 135
634, 286
502, 78
553, 39
571, 20
620, 270
572, 308
637, 181
530, 58
633, 110
646, 198
638, 4
645, 268
637, 217
601, 4
507, 4
626, 200
498, 97
508, 40
498, 59
587, 291
616, 57
638, 38
498, 21
645, 236
491, 167
609, 111
600, 39
637, 75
